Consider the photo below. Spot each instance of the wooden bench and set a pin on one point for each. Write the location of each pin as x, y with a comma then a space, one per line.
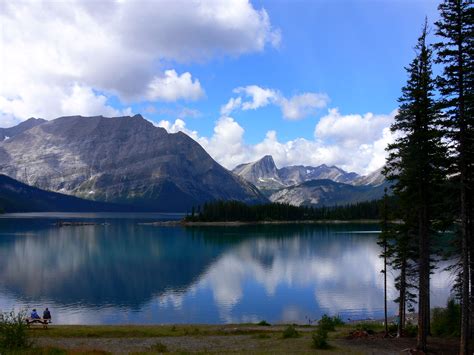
38, 321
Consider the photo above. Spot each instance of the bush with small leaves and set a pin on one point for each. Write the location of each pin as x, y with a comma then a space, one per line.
263, 323
337, 321
290, 332
447, 321
320, 338
13, 332
410, 330
327, 323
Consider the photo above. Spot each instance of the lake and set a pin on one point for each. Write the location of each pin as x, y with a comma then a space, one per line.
123, 272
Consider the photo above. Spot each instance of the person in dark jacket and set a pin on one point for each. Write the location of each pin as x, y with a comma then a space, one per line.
47, 315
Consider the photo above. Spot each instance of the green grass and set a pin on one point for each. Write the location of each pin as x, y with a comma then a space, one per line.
144, 331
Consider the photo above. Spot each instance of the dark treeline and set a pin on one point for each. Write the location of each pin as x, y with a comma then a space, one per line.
227, 211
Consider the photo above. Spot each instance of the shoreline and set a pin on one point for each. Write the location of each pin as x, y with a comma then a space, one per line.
250, 223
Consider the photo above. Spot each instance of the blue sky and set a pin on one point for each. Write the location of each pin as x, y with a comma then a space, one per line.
310, 56
354, 51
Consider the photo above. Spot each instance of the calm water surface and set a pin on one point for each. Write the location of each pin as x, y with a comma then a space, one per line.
124, 272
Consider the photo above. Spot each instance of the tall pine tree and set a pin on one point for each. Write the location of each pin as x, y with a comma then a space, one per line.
455, 51
415, 165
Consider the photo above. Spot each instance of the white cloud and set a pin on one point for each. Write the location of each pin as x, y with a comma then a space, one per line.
51, 102
300, 106
351, 129
172, 87
260, 96
232, 105
227, 143
116, 48
362, 152
178, 126
294, 108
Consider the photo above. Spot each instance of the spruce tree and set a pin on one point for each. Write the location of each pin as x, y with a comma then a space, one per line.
455, 51
383, 242
415, 165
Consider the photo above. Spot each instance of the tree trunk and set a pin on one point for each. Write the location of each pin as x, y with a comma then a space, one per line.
471, 271
402, 300
464, 346
424, 275
385, 285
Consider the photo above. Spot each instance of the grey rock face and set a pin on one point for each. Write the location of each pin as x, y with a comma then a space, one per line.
297, 174
7, 133
375, 178
326, 193
121, 160
264, 174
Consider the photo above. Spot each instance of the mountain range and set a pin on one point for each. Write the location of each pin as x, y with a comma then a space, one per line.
124, 160
128, 163
265, 175
311, 186
7, 133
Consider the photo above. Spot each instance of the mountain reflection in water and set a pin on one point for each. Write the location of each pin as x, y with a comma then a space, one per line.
124, 272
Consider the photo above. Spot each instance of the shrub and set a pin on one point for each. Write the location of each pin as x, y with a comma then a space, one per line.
447, 321
330, 323
326, 323
337, 321
13, 332
392, 328
367, 327
290, 332
411, 330
263, 322
320, 338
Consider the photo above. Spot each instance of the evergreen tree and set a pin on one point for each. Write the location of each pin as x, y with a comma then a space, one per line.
455, 51
383, 241
415, 165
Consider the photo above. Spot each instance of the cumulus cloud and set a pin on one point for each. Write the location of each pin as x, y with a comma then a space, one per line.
362, 151
234, 103
351, 129
300, 106
297, 107
177, 126
172, 87
260, 97
117, 48
51, 102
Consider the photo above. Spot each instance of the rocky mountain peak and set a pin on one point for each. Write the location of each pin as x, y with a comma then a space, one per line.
10, 132
264, 174
122, 160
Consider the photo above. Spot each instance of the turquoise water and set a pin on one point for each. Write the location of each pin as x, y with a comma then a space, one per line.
121, 271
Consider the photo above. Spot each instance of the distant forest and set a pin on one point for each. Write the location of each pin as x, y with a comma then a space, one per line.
229, 211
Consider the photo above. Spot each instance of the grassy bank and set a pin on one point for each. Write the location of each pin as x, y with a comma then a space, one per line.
205, 339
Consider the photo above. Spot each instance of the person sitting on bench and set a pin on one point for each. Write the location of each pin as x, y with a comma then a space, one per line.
34, 315
47, 315
35, 318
